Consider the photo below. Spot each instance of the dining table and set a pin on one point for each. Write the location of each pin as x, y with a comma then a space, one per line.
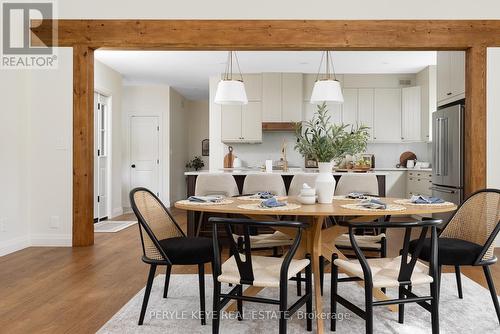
318, 238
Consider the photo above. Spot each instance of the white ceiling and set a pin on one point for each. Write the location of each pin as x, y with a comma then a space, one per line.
188, 71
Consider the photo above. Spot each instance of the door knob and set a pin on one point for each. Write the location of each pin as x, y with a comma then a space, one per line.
133, 166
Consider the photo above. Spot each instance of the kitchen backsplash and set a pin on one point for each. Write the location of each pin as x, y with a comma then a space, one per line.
386, 155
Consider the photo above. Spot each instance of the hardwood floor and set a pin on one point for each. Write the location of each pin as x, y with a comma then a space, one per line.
62, 290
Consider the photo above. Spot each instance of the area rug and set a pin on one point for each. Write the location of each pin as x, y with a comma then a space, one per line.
110, 226
179, 312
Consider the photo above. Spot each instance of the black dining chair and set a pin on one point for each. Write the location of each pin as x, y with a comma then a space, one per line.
244, 268
165, 244
467, 239
402, 272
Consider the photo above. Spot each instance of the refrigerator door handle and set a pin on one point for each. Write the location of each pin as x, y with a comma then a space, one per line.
437, 152
442, 190
444, 146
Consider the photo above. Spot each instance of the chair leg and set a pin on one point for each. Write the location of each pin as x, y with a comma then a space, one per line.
309, 299
240, 303
435, 306
283, 307
321, 273
459, 282
401, 307
216, 318
275, 252
151, 276
299, 284
201, 280
200, 222
333, 295
167, 281
493, 292
369, 307
440, 269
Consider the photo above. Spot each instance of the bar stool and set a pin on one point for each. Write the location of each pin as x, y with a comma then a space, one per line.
214, 184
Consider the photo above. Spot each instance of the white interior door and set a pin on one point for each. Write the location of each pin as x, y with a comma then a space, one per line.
101, 155
145, 153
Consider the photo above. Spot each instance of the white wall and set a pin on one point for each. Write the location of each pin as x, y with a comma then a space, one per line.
217, 151
153, 100
14, 199
197, 128
179, 123
109, 82
493, 118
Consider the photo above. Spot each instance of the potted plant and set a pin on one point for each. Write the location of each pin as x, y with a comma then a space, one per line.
327, 142
196, 163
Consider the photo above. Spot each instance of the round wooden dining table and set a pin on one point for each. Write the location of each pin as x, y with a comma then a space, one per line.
318, 241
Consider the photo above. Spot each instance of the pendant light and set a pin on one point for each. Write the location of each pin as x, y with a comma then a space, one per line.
327, 89
229, 89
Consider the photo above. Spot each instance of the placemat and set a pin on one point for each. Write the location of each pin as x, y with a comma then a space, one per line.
390, 207
345, 198
221, 202
408, 202
251, 198
256, 206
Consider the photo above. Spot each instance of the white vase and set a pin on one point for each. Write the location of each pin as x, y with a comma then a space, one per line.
325, 183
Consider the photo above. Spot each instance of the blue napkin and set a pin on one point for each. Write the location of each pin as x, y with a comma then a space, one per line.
425, 200
205, 199
264, 194
271, 203
373, 204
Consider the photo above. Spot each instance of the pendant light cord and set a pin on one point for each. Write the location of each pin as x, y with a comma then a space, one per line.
329, 62
228, 74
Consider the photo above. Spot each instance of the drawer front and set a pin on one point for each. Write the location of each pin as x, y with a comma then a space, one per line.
420, 174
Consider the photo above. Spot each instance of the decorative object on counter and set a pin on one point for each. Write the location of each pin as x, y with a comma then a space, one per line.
369, 159
237, 163
422, 165
195, 164
410, 163
229, 158
283, 160
205, 147
310, 162
269, 166
327, 88
326, 142
230, 90
404, 157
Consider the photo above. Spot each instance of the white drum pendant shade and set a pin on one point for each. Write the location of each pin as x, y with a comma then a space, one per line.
231, 92
328, 91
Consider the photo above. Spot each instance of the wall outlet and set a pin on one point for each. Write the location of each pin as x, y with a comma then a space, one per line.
3, 225
54, 222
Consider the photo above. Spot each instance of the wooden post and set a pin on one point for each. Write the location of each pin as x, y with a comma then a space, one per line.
475, 120
83, 145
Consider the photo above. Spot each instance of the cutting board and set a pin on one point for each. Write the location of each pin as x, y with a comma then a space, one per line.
405, 156
229, 158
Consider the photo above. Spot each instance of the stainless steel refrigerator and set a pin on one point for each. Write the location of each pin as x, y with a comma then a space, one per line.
448, 153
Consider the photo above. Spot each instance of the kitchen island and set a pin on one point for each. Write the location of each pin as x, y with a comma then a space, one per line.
240, 174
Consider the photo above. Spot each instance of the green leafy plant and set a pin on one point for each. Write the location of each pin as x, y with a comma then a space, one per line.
324, 141
196, 163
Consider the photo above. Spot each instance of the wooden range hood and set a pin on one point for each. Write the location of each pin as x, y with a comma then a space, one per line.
278, 126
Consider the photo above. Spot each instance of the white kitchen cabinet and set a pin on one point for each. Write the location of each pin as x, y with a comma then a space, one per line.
427, 80
282, 97
291, 97
387, 111
241, 123
350, 106
419, 183
251, 122
411, 114
365, 109
271, 97
253, 86
450, 76
395, 184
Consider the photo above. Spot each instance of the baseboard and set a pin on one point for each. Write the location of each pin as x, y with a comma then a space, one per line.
14, 245
48, 240
116, 212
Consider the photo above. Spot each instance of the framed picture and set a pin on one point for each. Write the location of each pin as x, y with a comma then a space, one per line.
205, 147
311, 163
369, 160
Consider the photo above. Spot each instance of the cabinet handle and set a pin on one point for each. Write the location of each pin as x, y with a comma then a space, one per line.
448, 94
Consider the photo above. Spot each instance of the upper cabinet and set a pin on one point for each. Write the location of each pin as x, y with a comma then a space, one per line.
282, 97
450, 76
253, 86
411, 114
365, 109
387, 110
241, 123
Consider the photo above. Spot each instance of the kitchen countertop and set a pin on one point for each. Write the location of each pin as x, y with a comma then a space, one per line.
292, 172
402, 169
